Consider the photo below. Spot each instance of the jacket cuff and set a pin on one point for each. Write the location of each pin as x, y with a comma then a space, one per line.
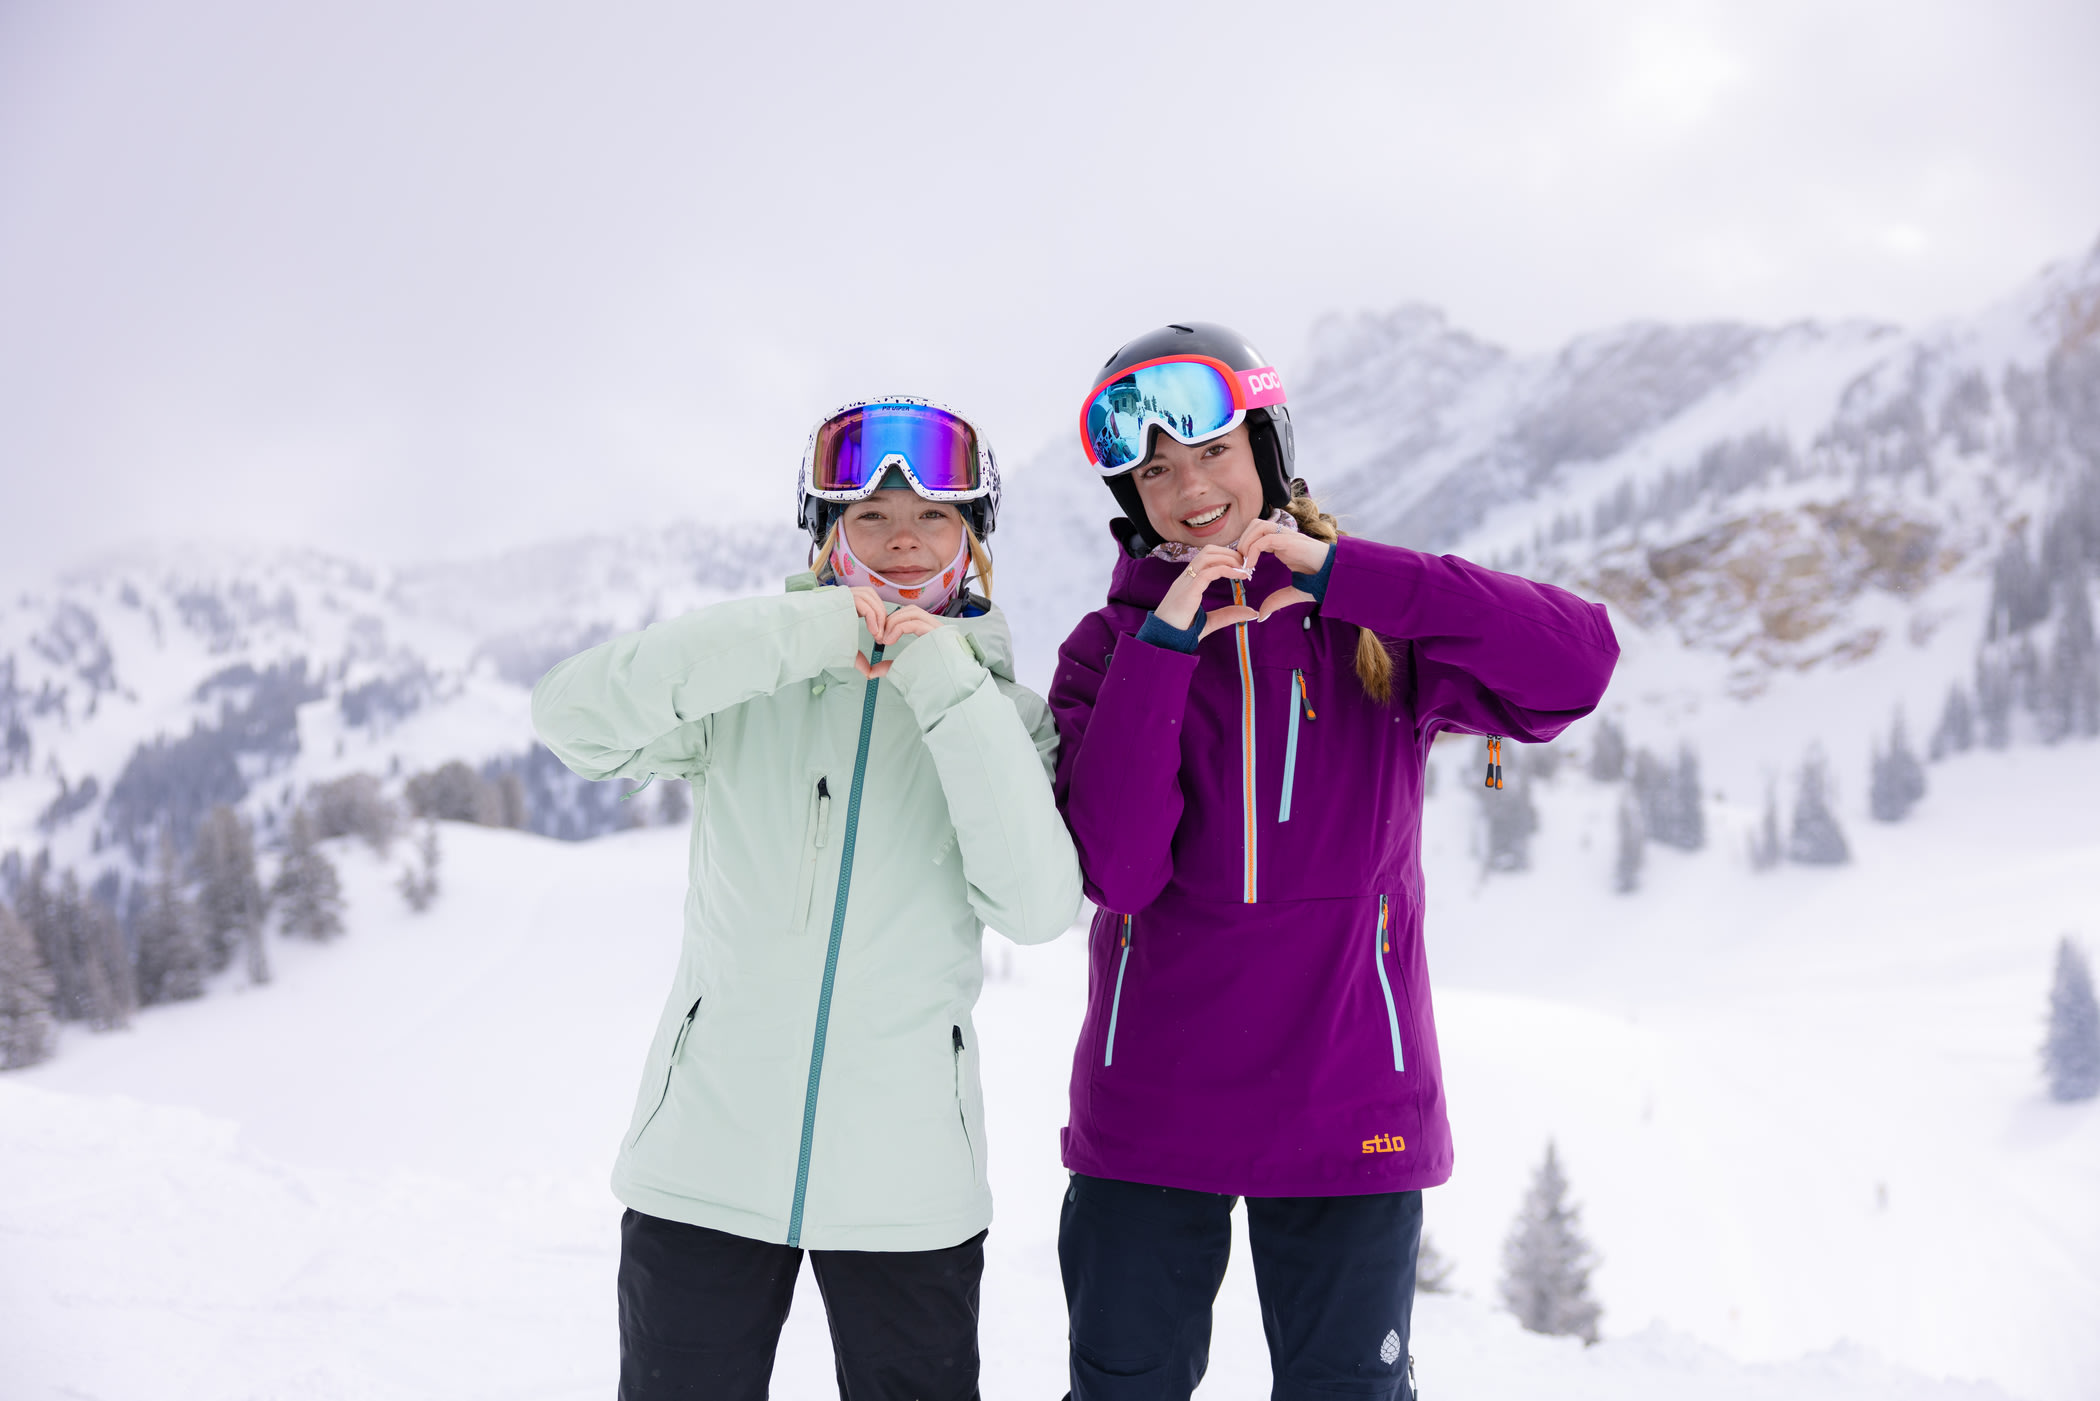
936, 673
1161, 633
1316, 584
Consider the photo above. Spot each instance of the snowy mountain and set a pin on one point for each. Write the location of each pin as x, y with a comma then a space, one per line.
1809, 514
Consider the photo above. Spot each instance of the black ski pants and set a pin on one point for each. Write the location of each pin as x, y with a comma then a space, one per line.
1142, 1266
701, 1312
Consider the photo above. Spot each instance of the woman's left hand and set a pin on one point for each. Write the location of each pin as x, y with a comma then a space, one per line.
908, 621
1299, 551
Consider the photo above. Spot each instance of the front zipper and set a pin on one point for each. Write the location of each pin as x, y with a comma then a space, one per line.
1115, 1003
1379, 950
685, 1029
1300, 700
960, 1112
831, 954
1248, 831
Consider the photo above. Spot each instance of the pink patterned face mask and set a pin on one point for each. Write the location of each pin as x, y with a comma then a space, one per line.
934, 595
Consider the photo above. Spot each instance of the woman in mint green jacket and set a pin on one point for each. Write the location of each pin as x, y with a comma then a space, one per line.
871, 789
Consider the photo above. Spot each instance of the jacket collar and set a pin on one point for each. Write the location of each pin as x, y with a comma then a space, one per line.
987, 630
1143, 581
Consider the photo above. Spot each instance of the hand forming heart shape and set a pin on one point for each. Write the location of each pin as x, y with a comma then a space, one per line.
1275, 603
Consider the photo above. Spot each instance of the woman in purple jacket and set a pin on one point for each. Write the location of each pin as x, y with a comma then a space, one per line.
1244, 729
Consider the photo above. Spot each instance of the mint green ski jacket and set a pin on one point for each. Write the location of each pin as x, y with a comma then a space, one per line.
813, 1078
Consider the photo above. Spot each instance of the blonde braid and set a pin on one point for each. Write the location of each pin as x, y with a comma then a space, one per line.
1374, 663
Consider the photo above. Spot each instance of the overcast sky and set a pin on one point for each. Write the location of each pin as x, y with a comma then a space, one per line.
424, 279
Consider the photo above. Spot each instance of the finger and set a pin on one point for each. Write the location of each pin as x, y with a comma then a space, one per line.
873, 672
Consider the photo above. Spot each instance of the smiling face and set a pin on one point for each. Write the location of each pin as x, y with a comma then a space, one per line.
1202, 495
902, 536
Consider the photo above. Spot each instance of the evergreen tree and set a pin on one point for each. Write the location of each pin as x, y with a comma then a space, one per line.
675, 807
26, 992
1546, 1263
92, 967
1608, 752
1632, 854
1994, 700
1896, 779
171, 958
1689, 809
1764, 842
2071, 1052
307, 887
230, 905
2069, 700
1957, 731
419, 883
1816, 839
1670, 803
1432, 1270
1512, 818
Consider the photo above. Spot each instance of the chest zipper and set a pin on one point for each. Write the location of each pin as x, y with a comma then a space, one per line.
1249, 832
1115, 1003
1300, 702
831, 953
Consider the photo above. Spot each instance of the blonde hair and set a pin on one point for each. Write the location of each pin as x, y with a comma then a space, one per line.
980, 557
1374, 662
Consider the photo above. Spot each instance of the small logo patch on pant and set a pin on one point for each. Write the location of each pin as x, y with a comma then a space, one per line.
1389, 1350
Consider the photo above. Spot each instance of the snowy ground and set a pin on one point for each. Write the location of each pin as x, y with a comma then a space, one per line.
1801, 1110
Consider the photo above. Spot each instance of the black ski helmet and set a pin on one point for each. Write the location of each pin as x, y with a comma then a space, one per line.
1268, 429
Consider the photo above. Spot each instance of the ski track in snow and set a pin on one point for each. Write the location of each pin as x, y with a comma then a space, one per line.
383, 1176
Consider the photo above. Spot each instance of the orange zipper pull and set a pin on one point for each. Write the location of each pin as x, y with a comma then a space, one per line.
1306, 697
1494, 765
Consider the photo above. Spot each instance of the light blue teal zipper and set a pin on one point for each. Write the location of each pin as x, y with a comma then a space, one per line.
1300, 701
831, 955
1385, 984
1115, 1005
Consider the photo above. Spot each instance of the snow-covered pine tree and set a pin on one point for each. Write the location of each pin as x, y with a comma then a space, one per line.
675, 807
2069, 699
171, 954
1608, 752
231, 908
1511, 819
92, 966
1896, 780
1816, 838
1432, 1270
1994, 699
2071, 1051
419, 883
26, 990
307, 888
1546, 1263
1688, 808
1957, 729
1632, 852
1764, 842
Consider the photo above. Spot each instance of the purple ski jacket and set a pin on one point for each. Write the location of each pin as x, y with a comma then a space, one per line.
1249, 822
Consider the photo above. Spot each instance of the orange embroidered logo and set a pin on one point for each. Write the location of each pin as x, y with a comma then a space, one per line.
1386, 1143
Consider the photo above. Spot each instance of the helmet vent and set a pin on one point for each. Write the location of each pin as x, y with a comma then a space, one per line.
1185, 330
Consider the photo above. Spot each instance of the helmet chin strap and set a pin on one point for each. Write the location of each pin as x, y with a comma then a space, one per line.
934, 595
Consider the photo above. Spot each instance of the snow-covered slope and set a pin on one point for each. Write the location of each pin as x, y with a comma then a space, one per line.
383, 1176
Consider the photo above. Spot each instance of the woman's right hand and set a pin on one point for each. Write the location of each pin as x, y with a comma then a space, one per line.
1185, 599
873, 611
